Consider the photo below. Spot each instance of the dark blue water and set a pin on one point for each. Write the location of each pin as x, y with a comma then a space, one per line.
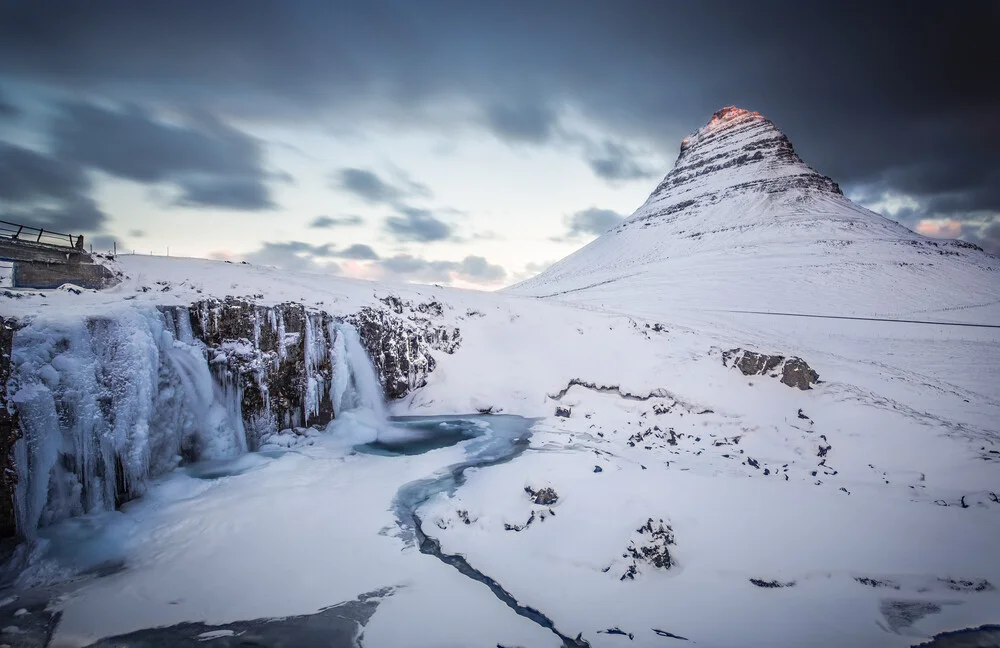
413, 435
492, 440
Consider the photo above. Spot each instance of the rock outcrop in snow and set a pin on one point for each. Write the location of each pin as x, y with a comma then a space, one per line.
794, 372
278, 358
400, 343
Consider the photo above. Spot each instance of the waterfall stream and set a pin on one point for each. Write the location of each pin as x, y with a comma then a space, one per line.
106, 404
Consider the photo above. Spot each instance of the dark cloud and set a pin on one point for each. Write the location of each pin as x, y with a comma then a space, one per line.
420, 225
210, 163
987, 236
887, 94
326, 222
7, 109
47, 192
81, 214
531, 123
28, 175
474, 269
366, 185
105, 243
615, 162
358, 251
591, 222
371, 188
228, 193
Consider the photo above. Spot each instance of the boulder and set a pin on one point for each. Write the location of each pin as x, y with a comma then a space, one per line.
793, 371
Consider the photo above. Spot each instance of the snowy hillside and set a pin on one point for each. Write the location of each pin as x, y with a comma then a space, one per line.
680, 475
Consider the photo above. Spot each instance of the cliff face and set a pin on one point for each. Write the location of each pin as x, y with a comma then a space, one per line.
275, 358
399, 340
10, 432
98, 407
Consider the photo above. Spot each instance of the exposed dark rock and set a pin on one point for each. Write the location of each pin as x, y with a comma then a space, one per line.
793, 371
664, 633
394, 303
10, 432
771, 584
985, 636
617, 631
400, 348
262, 349
651, 548
751, 363
564, 412
544, 496
598, 469
876, 582
958, 585
902, 614
520, 527
432, 308
796, 373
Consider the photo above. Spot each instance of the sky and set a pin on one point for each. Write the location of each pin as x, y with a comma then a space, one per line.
469, 144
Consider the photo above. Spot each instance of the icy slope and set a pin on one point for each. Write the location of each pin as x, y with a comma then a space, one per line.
741, 223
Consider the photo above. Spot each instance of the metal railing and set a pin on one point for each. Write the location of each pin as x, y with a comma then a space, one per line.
17, 232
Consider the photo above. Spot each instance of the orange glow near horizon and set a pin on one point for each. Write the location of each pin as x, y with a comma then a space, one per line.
947, 228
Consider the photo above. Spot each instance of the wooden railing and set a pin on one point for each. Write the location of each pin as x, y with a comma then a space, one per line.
17, 232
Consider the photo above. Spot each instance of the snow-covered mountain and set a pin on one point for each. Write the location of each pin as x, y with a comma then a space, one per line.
684, 472
742, 223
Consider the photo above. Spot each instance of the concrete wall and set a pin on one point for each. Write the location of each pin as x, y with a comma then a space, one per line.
38, 274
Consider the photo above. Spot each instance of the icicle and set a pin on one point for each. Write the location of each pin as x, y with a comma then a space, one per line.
105, 404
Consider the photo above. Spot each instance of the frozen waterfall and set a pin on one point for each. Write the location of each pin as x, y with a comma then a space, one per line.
105, 404
356, 384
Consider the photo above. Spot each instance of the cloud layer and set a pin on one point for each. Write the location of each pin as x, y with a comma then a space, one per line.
887, 98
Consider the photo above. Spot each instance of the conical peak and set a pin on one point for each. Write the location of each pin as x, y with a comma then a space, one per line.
744, 149
726, 119
730, 113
